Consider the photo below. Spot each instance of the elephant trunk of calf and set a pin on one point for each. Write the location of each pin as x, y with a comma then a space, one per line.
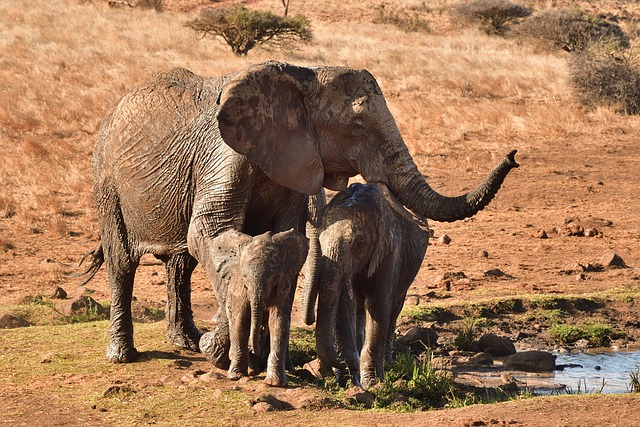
329, 293
257, 311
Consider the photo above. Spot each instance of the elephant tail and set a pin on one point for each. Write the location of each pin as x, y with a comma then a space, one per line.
97, 259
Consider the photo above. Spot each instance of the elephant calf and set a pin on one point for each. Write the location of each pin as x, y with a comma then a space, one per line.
371, 252
260, 275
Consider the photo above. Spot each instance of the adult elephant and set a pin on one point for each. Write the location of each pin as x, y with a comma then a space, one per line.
371, 252
183, 158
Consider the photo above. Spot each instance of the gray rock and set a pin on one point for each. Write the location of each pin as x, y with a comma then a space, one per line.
531, 361
59, 293
9, 321
83, 305
359, 396
418, 339
481, 359
613, 260
496, 345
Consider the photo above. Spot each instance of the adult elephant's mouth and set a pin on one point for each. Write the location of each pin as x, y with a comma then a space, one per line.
335, 182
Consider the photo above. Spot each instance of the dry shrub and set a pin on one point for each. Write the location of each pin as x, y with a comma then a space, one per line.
492, 15
410, 22
573, 30
606, 80
157, 5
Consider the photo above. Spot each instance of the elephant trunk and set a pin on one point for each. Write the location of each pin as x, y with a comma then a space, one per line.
256, 300
329, 287
310, 291
409, 186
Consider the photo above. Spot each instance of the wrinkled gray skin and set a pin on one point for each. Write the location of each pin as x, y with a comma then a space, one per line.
259, 275
370, 256
184, 158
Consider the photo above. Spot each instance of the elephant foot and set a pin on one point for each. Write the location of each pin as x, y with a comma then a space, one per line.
368, 382
235, 374
344, 379
117, 353
185, 339
276, 380
215, 346
256, 365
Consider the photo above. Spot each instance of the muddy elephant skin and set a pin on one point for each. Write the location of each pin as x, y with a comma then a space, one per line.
183, 158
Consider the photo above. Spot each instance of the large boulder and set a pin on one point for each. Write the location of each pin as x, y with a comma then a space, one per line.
496, 345
531, 361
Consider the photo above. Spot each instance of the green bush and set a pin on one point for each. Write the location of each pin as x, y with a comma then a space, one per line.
606, 80
492, 15
573, 30
243, 29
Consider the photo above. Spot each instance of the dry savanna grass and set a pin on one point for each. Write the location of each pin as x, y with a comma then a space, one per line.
65, 62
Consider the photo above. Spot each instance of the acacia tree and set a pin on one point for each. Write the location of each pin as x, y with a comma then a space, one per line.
242, 29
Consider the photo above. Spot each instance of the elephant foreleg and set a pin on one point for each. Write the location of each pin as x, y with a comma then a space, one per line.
181, 329
279, 326
346, 337
239, 326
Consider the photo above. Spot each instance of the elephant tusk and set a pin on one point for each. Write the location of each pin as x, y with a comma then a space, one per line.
404, 211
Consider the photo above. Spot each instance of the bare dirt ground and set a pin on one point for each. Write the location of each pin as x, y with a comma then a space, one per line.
588, 180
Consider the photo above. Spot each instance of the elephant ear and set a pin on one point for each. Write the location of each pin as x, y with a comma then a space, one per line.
262, 116
385, 243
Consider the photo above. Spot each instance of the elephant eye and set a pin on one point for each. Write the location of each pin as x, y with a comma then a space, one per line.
357, 126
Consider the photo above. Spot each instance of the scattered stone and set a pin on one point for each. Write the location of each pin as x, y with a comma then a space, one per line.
59, 293
181, 364
496, 272
531, 361
412, 300
613, 260
118, 390
482, 254
272, 404
262, 407
359, 396
591, 232
540, 234
481, 359
496, 345
444, 239
418, 339
47, 358
572, 229
9, 321
314, 368
84, 305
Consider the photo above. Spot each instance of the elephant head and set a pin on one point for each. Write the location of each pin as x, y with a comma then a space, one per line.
312, 127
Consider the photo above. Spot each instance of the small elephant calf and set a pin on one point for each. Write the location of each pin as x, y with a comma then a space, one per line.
260, 275
372, 249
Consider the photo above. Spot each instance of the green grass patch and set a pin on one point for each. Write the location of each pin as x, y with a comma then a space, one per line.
597, 334
302, 346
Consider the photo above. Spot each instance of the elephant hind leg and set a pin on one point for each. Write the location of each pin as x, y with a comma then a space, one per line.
181, 329
121, 264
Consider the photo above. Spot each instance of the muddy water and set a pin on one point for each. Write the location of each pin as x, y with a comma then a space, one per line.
596, 366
